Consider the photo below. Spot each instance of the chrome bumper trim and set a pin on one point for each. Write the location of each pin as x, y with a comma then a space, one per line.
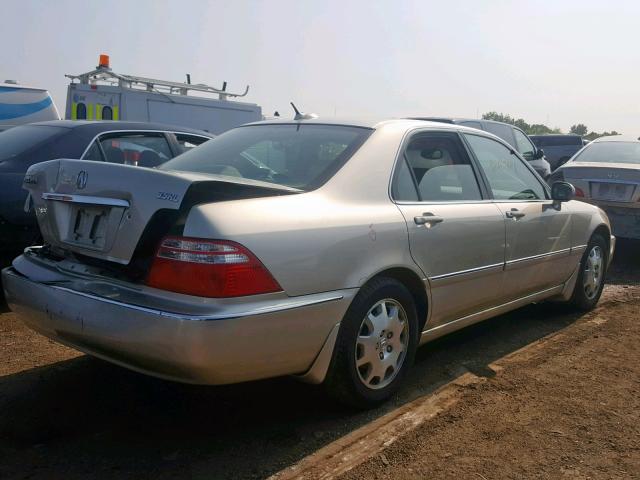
63, 197
214, 316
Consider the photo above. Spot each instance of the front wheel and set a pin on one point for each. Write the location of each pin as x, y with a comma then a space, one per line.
590, 281
376, 344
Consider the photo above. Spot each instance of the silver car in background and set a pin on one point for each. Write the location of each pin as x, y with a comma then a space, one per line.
323, 249
606, 172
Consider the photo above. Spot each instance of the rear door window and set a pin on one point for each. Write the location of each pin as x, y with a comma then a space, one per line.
136, 148
439, 169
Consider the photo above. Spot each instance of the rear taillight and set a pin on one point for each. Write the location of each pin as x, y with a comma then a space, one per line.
209, 268
579, 192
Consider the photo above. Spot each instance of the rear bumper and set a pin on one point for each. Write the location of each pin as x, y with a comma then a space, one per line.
232, 344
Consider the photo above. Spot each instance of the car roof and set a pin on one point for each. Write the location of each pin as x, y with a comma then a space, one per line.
362, 122
617, 138
98, 126
373, 123
450, 119
458, 120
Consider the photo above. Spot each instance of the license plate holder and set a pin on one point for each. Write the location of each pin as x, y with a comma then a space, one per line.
615, 192
89, 227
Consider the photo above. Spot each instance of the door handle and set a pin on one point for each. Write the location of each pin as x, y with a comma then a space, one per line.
428, 218
515, 214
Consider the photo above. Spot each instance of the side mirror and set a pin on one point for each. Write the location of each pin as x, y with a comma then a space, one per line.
562, 191
539, 153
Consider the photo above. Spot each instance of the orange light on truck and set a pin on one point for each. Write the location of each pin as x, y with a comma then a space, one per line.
103, 61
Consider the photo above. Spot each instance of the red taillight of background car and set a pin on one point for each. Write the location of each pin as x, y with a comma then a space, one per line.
579, 192
209, 268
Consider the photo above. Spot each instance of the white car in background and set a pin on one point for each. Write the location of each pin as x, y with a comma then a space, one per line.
606, 172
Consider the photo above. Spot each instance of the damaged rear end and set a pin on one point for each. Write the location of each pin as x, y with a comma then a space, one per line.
117, 279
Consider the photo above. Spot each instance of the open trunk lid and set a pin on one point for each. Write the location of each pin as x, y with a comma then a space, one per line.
102, 209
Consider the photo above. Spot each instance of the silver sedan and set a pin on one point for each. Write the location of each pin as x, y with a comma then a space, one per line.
323, 249
606, 173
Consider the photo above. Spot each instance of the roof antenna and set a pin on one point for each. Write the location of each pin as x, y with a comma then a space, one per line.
302, 116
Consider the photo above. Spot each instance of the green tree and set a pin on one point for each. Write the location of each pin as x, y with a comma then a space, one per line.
594, 135
535, 129
539, 129
579, 129
498, 117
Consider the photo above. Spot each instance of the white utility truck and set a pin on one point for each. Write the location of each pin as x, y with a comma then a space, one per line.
103, 94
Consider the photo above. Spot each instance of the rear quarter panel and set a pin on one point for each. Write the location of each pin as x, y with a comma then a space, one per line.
310, 243
586, 219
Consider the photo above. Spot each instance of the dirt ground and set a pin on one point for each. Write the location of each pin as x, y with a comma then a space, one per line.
571, 410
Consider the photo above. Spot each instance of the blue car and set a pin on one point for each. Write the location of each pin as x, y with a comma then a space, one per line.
134, 143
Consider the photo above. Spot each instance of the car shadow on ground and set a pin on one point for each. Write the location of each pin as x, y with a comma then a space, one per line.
625, 268
84, 418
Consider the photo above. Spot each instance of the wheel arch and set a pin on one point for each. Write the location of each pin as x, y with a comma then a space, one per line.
603, 230
416, 286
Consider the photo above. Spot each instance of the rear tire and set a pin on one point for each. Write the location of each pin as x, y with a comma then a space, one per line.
376, 345
590, 281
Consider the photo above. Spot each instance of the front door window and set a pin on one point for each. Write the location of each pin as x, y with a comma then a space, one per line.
509, 178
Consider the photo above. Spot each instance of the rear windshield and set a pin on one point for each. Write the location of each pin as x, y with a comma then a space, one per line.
294, 155
557, 141
18, 140
611, 152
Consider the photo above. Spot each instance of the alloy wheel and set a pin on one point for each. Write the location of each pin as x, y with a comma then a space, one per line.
592, 275
382, 343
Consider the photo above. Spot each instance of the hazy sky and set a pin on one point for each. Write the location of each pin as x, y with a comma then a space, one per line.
556, 62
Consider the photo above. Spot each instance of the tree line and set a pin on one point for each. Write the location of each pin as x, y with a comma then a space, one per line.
541, 129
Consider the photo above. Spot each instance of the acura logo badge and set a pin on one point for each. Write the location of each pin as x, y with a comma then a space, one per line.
81, 181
